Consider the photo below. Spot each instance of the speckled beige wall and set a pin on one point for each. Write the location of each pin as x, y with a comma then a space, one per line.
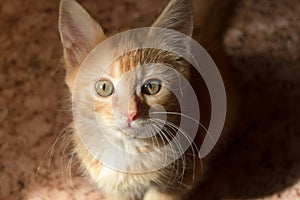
263, 42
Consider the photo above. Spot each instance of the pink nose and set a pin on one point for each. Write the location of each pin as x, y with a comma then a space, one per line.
132, 116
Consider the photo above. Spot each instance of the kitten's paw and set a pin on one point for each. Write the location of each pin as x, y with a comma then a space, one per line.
154, 194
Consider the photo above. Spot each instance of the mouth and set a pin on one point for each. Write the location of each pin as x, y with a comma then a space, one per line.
139, 132
139, 129
132, 132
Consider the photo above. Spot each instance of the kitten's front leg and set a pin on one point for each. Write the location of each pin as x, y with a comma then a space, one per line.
154, 194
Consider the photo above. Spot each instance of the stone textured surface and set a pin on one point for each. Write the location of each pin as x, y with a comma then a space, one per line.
263, 41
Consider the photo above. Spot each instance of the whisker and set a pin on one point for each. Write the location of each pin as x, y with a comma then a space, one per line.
157, 143
193, 144
69, 169
162, 138
189, 117
62, 155
190, 140
50, 150
177, 161
183, 159
178, 147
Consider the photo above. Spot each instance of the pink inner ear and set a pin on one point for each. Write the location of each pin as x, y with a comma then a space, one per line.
71, 57
75, 44
72, 49
75, 51
78, 31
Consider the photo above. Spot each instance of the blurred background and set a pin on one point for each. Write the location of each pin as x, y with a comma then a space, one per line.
262, 40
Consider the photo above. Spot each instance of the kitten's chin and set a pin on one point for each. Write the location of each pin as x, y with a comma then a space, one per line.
130, 132
136, 132
140, 129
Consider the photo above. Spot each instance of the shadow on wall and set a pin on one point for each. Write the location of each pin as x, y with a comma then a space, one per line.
265, 157
263, 42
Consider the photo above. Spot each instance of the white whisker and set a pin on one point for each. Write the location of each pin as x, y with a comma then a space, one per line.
178, 147
189, 139
69, 169
62, 155
50, 150
191, 118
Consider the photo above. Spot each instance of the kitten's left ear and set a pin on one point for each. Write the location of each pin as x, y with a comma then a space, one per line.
177, 16
78, 31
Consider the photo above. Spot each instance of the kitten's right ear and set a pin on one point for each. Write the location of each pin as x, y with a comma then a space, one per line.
177, 16
78, 31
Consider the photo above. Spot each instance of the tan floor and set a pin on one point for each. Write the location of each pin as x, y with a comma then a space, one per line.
264, 42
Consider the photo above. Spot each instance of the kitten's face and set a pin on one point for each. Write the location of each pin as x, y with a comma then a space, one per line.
131, 89
135, 86
124, 96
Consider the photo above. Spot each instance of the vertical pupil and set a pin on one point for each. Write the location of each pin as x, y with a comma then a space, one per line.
103, 86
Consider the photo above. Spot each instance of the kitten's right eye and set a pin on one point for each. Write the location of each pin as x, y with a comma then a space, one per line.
152, 87
104, 88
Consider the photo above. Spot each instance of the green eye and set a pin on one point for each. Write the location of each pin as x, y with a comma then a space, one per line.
152, 87
104, 88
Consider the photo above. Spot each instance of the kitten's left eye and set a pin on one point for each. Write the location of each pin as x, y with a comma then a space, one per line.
152, 87
104, 88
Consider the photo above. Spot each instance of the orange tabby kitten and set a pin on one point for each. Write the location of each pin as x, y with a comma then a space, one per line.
122, 121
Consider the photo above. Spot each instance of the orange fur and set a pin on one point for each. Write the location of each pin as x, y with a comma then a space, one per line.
78, 42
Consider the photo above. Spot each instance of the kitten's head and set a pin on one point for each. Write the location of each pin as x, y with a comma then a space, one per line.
135, 83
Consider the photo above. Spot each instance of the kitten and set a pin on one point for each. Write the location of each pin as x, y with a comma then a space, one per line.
80, 34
